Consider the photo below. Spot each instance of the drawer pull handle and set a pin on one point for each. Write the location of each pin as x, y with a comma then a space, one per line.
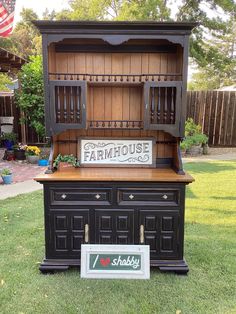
165, 197
142, 234
131, 196
64, 196
86, 233
98, 196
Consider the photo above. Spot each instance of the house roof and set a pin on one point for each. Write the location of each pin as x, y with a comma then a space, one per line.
9, 61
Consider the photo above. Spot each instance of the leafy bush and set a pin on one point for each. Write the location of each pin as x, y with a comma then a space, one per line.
9, 137
5, 172
70, 159
193, 135
30, 97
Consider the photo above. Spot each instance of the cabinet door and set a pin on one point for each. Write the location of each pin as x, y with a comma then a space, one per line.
114, 226
162, 110
67, 105
161, 232
67, 233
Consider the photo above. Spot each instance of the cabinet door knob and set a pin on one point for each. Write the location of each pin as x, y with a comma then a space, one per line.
131, 196
165, 197
64, 196
97, 196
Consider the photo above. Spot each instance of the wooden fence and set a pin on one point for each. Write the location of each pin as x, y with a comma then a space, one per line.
25, 134
215, 111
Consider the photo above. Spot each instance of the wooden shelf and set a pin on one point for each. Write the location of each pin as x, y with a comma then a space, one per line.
115, 174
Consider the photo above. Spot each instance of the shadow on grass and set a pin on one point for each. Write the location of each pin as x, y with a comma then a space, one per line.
189, 193
225, 198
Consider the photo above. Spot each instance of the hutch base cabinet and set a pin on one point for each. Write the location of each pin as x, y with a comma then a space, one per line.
108, 210
120, 87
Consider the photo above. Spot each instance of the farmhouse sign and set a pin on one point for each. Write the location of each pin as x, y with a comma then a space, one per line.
115, 261
122, 152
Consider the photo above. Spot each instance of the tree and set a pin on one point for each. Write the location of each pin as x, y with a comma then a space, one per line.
4, 81
155, 10
116, 10
212, 46
30, 96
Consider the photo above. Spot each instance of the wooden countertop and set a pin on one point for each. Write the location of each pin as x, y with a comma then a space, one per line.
115, 174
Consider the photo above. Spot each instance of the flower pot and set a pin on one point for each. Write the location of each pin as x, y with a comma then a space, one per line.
8, 144
43, 162
10, 155
195, 150
7, 179
64, 165
20, 154
33, 159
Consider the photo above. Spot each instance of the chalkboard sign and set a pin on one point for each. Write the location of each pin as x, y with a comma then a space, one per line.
115, 261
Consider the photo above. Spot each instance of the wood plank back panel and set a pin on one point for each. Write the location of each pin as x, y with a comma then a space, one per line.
115, 63
163, 150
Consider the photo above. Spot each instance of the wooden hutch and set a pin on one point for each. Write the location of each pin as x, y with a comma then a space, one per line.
115, 80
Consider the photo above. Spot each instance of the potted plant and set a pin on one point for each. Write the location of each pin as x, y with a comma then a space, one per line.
19, 151
194, 138
6, 175
8, 140
43, 160
32, 154
65, 161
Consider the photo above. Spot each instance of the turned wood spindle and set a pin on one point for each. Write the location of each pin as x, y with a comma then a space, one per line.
172, 109
152, 103
65, 105
78, 103
165, 107
58, 103
159, 105
71, 104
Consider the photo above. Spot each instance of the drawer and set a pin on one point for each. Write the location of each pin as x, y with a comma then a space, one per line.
149, 196
80, 196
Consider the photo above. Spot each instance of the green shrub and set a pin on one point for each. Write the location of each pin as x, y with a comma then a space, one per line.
193, 135
30, 97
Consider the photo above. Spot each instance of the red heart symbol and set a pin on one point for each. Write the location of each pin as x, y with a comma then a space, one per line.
105, 261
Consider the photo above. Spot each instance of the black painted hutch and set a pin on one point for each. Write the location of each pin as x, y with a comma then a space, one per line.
123, 80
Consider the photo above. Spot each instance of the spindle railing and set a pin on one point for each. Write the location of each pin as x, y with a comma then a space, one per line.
162, 104
68, 104
115, 78
115, 124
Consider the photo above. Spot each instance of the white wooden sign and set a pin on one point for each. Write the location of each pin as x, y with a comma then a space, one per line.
113, 152
115, 261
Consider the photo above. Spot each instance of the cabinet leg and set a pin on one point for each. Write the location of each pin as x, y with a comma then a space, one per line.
179, 267
49, 266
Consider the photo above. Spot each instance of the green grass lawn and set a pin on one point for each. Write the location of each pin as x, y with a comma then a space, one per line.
210, 250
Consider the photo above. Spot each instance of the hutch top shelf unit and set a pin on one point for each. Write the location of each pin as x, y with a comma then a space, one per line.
88, 62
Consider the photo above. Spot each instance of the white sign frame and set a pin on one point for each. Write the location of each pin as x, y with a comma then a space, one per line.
142, 273
114, 152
